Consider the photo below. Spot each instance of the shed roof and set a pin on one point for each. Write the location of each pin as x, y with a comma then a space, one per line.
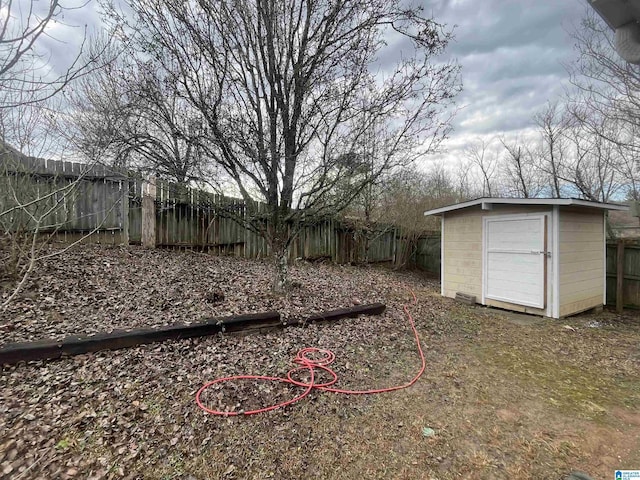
616, 12
565, 202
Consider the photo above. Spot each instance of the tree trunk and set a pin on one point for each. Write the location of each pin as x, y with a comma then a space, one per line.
367, 247
281, 270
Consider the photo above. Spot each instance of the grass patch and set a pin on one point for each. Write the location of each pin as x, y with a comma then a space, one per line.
573, 389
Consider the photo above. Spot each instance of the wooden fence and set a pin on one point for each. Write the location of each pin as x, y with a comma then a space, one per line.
627, 255
427, 254
191, 218
108, 206
73, 200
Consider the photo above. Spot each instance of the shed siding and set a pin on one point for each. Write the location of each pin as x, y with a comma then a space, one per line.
463, 253
463, 249
581, 260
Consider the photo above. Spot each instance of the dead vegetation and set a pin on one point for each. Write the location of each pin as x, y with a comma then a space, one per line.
506, 400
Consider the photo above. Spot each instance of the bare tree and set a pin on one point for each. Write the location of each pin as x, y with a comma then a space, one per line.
628, 166
606, 104
593, 169
484, 158
30, 210
27, 75
466, 188
286, 89
608, 85
521, 174
552, 124
130, 113
407, 194
366, 211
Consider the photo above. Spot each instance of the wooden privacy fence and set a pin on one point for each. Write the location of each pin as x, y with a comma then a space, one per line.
65, 199
181, 217
427, 253
624, 289
105, 205
190, 218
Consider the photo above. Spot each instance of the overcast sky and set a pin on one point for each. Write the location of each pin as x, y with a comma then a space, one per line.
511, 53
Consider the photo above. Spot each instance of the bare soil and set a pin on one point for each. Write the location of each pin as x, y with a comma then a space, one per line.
507, 399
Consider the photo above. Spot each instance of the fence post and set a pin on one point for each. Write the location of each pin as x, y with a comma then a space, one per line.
149, 213
620, 276
124, 239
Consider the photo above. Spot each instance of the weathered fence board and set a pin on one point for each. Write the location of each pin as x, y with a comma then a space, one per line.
630, 277
74, 200
427, 255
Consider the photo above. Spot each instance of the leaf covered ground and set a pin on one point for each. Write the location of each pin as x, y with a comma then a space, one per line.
96, 289
507, 396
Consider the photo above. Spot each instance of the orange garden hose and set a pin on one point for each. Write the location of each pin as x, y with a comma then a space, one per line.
312, 365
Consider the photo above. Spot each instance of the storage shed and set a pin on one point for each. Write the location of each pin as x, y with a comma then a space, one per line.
541, 256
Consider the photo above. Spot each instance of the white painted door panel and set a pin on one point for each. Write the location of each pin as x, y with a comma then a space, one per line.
515, 260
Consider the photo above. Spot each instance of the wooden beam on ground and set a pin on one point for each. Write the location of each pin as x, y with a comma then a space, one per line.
350, 312
76, 345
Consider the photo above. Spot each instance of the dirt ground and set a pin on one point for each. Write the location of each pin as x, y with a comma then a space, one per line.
506, 396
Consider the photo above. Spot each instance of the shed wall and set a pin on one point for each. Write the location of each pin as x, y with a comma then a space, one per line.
462, 249
581, 271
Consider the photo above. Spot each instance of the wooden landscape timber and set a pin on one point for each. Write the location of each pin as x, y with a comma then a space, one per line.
332, 315
76, 345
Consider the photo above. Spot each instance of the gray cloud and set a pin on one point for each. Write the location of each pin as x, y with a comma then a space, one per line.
64, 38
483, 26
511, 53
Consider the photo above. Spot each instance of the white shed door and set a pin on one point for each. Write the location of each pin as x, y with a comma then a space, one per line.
515, 260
